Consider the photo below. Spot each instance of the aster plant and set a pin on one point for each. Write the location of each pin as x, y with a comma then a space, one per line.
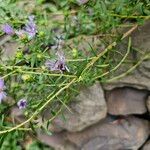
54, 57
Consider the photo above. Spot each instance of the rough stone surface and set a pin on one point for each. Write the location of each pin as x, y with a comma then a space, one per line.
125, 101
139, 78
148, 104
87, 108
130, 133
146, 146
8, 46
57, 141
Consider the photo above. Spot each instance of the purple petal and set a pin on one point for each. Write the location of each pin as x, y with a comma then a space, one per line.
56, 65
59, 64
2, 96
30, 27
31, 18
8, 29
2, 84
50, 64
81, 2
22, 103
67, 69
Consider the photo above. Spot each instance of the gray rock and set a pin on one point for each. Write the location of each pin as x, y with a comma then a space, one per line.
134, 80
57, 141
9, 47
148, 104
125, 101
129, 133
146, 146
87, 108
140, 77
102, 143
126, 134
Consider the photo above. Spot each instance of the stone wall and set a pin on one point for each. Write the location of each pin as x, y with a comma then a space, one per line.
113, 116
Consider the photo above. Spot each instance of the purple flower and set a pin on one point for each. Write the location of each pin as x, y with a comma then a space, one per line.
2, 87
30, 29
8, 29
81, 2
57, 65
22, 104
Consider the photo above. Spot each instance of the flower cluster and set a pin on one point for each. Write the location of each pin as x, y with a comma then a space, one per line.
58, 64
21, 103
29, 29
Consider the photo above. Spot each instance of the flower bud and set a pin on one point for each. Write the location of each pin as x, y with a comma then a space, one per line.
26, 77
19, 54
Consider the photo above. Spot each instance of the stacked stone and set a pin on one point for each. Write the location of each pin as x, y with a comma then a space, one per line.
114, 116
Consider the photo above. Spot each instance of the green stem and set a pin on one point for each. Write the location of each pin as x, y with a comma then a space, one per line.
132, 17
39, 110
130, 70
116, 67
